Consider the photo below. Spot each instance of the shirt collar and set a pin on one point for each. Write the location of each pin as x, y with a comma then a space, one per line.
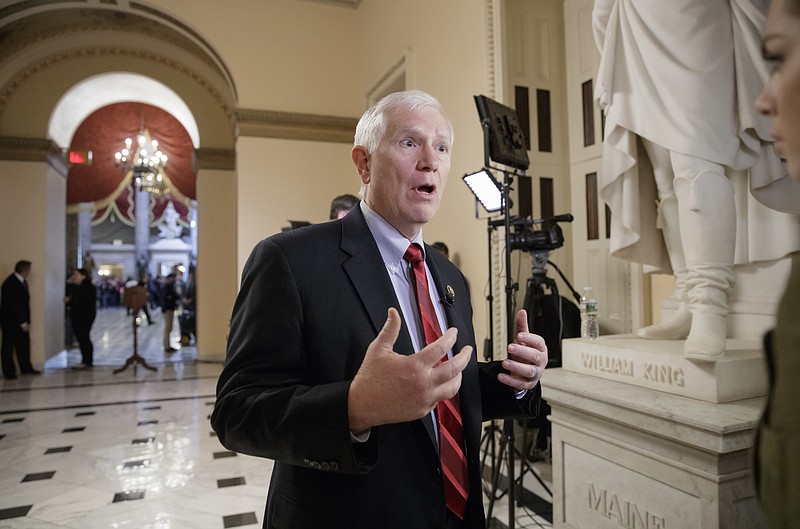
391, 243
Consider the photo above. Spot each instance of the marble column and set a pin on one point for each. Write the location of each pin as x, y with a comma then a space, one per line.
193, 230
142, 230
85, 212
71, 242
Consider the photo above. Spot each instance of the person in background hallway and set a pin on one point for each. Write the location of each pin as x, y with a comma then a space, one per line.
441, 248
777, 447
88, 263
82, 302
169, 302
188, 301
335, 371
151, 286
15, 320
188, 318
69, 333
341, 205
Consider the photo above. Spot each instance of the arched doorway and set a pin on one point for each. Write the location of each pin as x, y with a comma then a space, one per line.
52, 49
123, 218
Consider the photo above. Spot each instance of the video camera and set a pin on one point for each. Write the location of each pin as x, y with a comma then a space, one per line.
548, 236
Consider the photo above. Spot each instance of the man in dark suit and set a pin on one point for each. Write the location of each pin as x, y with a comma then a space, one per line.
330, 369
15, 317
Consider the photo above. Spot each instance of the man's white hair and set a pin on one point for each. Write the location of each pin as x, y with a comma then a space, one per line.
371, 127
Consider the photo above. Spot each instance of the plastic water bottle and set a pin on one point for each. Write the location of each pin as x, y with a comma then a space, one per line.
590, 327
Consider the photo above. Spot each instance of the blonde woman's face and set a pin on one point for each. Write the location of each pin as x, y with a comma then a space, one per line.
780, 97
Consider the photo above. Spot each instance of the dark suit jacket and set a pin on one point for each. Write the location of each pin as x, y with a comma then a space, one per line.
311, 301
777, 442
14, 303
83, 302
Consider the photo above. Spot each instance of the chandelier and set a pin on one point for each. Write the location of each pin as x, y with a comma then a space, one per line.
146, 162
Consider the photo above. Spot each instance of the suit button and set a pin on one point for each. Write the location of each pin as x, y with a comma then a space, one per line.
316, 465
334, 466
307, 462
325, 466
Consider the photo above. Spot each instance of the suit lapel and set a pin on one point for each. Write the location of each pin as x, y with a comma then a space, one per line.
367, 273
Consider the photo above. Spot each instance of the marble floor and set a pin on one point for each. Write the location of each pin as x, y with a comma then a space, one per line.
95, 449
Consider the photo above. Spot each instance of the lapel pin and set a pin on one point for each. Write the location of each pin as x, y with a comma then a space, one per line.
450, 296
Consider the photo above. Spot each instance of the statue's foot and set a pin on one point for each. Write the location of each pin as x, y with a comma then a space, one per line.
675, 328
706, 341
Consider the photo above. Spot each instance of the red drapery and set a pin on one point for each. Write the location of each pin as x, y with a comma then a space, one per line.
104, 132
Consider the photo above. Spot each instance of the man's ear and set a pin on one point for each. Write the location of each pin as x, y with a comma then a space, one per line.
361, 160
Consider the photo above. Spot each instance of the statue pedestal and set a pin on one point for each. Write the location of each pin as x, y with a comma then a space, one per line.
660, 365
626, 454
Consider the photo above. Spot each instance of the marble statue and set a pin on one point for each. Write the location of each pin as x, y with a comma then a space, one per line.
169, 227
685, 153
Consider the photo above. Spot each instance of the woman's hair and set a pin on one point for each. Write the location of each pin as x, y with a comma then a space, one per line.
793, 6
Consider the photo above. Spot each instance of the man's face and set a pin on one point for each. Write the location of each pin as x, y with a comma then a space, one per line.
406, 175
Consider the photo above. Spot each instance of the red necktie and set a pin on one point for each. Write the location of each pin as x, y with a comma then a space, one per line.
448, 412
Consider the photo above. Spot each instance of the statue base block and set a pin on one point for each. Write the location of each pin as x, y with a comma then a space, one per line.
635, 457
660, 365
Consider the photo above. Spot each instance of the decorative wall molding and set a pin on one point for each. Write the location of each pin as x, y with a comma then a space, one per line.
224, 159
35, 20
491, 48
16, 82
352, 4
19, 149
295, 126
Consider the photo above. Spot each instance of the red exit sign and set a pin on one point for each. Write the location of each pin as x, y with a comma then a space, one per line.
76, 157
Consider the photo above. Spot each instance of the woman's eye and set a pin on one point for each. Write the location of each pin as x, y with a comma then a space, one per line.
774, 60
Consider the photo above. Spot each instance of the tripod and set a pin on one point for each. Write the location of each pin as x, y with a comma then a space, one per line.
504, 143
507, 453
135, 299
550, 316
554, 318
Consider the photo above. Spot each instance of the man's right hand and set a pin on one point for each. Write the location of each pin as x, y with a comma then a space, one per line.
390, 387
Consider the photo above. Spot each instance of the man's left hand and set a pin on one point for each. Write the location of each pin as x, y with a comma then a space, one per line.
527, 357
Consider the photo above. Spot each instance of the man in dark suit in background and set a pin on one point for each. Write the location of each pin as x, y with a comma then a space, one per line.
15, 318
332, 372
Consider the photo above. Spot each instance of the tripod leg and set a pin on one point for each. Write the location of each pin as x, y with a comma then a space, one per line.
128, 362
141, 361
494, 496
